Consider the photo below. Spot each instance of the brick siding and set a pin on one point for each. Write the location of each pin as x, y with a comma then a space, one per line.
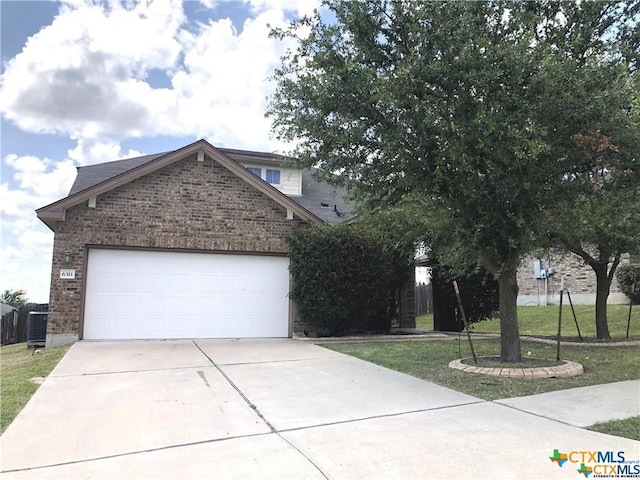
580, 278
189, 205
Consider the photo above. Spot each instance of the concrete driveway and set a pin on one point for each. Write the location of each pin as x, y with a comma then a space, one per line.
275, 409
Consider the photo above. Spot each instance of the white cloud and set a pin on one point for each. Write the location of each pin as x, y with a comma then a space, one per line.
25, 256
299, 7
91, 152
27, 270
78, 75
88, 75
223, 88
76, 78
41, 179
28, 183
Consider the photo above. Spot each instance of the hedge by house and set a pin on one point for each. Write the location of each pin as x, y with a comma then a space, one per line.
345, 279
629, 281
478, 291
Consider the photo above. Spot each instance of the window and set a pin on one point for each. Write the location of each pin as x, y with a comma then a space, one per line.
256, 171
273, 177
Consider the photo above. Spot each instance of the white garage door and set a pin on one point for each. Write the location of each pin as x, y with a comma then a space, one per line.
143, 295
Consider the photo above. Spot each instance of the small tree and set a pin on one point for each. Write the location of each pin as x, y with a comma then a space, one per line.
15, 298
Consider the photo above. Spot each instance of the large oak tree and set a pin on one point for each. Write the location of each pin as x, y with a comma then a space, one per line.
469, 106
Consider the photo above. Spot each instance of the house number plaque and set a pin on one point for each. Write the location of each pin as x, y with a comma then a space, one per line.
68, 274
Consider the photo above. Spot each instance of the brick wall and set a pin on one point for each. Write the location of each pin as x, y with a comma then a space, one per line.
187, 205
580, 280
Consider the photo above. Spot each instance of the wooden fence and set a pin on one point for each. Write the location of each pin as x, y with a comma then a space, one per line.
14, 324
424, 299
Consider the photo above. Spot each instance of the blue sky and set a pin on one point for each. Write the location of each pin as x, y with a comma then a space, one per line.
85, 82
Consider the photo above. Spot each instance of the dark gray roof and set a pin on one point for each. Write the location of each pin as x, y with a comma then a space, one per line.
324, 200
320, 198
93, 174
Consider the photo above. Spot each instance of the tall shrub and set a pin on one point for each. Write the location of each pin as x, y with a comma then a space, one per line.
342, 279
478, 291
629, 280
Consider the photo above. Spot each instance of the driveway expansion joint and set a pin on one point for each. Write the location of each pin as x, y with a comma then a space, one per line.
262, 362
315, 465
136, 452
374, 417
118, 372
237, 389
521, 410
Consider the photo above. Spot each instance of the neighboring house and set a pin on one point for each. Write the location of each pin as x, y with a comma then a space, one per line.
184, 244
536, 287
5, 308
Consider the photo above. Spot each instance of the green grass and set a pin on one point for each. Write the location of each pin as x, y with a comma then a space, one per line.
628, 428
544, 321
425, 322
429, 360
17, 367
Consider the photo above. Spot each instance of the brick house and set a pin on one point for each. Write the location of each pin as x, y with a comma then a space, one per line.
184, 244
579, 277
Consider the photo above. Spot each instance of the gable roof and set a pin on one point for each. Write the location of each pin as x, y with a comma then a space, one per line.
95, 180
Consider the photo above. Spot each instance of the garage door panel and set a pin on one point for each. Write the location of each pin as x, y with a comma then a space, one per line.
135, 295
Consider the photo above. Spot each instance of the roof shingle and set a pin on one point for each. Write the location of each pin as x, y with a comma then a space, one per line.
323, 200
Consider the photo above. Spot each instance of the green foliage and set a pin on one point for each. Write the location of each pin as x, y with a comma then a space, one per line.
629, 281
478, 292
469, 107
346, 278
462, 102
15, 298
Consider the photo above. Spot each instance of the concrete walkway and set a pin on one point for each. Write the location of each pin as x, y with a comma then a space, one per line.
287, 409
583, 406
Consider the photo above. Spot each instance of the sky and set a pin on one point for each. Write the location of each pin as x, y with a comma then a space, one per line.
86, 82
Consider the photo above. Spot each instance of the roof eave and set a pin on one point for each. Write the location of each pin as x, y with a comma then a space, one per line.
56, 211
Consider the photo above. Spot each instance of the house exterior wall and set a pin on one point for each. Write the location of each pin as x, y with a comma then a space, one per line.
190, 205
290, 178
580, 281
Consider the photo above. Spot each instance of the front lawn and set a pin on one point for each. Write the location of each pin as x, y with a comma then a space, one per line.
429, 360
544, 321
20, 371
629, 428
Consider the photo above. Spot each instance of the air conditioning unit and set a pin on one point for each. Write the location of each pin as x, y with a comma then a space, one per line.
37, 329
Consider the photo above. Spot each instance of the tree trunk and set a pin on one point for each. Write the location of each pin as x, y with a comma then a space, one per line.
603, 287
509, 330
604, 277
